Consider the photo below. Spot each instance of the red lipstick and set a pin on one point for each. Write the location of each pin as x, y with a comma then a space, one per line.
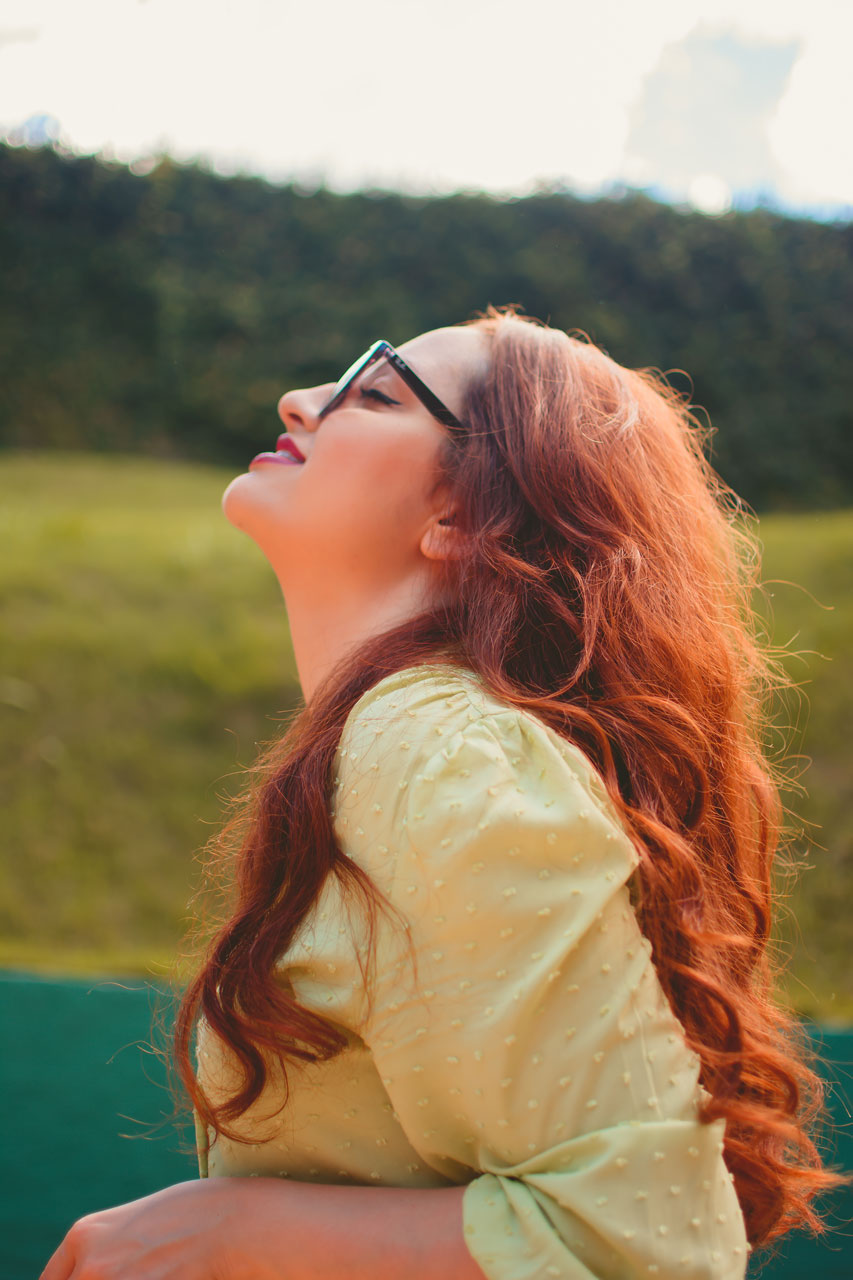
286, 442
286, 453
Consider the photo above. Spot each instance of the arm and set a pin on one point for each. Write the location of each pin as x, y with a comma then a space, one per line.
269, 1229
540, 1049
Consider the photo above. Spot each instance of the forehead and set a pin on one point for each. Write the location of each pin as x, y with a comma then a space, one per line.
448, 360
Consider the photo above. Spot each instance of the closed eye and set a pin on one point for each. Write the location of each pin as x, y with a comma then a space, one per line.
371, 393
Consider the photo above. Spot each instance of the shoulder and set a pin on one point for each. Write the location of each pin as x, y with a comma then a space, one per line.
437, 709
432, 752
412, 709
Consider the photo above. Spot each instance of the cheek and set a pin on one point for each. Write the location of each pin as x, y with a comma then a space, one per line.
371, 487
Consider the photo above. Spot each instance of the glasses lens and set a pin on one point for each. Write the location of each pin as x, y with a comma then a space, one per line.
343, 385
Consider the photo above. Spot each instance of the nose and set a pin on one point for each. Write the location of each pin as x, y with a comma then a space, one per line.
298, 410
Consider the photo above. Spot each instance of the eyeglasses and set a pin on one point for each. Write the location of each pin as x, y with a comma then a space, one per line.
383, 350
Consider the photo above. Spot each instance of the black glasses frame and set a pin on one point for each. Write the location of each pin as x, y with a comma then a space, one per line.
383, 350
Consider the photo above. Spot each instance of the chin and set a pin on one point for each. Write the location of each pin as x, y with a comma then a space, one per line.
236, 502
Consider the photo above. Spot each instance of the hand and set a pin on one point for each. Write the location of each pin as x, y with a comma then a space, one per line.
271, 1229
191, 1231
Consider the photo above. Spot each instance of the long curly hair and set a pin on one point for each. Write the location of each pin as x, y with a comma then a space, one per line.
606, 587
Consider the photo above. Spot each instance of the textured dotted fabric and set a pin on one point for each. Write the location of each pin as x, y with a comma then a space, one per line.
514, 1036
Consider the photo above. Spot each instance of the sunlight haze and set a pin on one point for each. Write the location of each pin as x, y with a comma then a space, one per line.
715, 103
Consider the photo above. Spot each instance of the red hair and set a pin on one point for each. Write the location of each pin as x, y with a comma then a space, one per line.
606, 588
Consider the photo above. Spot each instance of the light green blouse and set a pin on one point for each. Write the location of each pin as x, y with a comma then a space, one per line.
530, 1053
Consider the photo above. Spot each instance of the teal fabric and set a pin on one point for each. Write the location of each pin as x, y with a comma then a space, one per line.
65, 1154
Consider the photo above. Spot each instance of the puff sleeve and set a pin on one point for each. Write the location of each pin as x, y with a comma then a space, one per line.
518, 1025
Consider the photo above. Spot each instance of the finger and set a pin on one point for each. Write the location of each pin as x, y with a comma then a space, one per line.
60, 1265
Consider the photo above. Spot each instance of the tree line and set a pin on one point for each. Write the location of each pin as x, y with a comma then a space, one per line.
165, 313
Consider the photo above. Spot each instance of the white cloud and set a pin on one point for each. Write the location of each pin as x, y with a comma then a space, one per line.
703, 114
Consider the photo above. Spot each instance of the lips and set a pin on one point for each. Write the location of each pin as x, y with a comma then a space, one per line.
286, 454
285, 444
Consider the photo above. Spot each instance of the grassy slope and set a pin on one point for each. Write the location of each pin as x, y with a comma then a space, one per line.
810, 605
145, 651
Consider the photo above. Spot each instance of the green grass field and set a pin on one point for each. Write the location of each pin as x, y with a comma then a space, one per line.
145, 651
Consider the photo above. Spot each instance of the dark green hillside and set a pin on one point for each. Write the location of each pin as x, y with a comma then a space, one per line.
166, 313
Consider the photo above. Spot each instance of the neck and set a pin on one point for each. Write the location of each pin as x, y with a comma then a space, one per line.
325, 628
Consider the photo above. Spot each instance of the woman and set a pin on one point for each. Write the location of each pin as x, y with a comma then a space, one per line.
493, 995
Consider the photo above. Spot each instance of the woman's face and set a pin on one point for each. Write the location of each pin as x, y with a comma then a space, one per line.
355, 514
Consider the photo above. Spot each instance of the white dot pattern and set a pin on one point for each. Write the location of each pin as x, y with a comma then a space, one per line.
531, 1048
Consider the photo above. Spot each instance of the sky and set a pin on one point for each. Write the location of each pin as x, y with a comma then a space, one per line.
710, 102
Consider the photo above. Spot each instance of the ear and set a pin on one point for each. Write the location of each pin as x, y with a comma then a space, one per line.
442, 540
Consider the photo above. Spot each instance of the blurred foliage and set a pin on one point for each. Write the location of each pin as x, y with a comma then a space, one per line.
144, 652
166, 313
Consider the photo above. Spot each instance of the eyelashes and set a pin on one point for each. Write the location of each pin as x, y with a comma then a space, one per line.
370, 393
